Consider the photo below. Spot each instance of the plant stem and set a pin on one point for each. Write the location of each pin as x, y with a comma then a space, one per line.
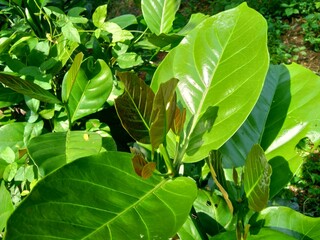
167, 159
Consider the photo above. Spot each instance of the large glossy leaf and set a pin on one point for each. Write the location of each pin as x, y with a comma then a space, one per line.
221, 66
134, 107
90, 89
257, 172
159, 14
27, 88
283, 115
6, 206
64, 147
101, 197
287, 221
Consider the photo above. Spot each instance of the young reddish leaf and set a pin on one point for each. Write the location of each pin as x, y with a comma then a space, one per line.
178, 121
134, 107
138, 162
163, 112
148, 170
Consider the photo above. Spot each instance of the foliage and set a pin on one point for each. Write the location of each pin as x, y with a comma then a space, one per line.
215, 131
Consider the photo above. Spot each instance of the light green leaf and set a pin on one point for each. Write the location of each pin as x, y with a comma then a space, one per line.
70, 78
221, 71
99, 16
70, 32
124, 20
159, 14
64, 147
194, 21
257, 172
27, 88
6, 206
129, 60
87, 199
7, 154
289, 222
118, 34
189, 231
11, 135
90, 90
283, 115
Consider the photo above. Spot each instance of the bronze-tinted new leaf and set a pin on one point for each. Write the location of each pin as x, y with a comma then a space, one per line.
163, 112
148, 170
179, 119
134, 107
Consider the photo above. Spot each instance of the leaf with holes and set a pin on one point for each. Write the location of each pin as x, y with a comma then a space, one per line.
257, 172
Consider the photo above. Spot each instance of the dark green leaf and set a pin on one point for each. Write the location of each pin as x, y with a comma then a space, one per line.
9, 97
87, 199
27, 88
64, 148
163, 112
217, 84
134, 107
257, 172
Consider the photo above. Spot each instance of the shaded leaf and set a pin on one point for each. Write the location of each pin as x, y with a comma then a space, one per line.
163, 112
64, 147
159, 14
283, 115
91, 89
134, 107
64, 200
214, 76
257, 172
9, 97
287, 221
27, 88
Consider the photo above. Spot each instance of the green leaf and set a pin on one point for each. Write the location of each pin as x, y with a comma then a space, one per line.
189, 231
70, 32
269, 234
213, 212
287, 221
64, 147
70, 78
9, 97
134, 107
124, 20
90, 90
194, 21
27, 88
257, 172
163, 112
217, 84
6, 206
159, 14
87, 199
99, 16
11, 135
283, 115
129, 60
